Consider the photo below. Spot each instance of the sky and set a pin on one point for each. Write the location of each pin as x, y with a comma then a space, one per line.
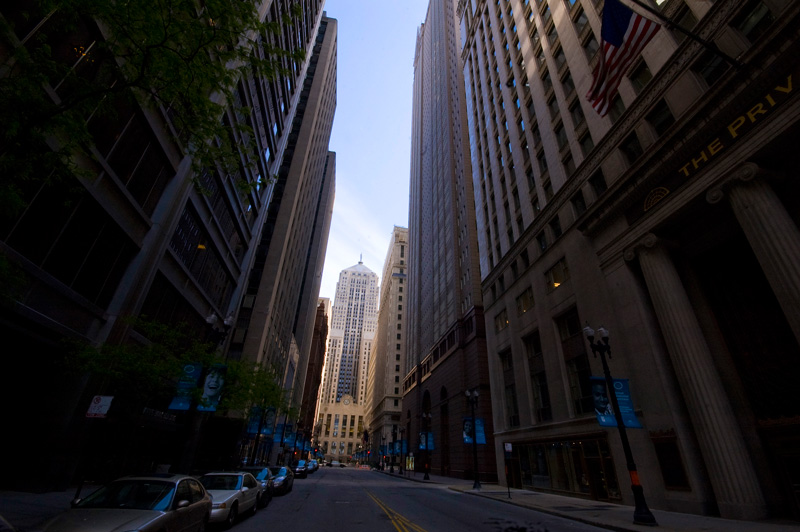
371, 130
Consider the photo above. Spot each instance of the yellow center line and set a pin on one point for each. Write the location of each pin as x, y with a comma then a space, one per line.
401, 524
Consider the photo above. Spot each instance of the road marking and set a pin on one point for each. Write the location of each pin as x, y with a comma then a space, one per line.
401, 524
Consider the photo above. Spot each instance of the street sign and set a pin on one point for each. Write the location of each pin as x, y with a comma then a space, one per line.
99, 406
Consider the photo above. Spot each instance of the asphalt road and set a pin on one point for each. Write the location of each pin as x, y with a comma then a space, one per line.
353, 500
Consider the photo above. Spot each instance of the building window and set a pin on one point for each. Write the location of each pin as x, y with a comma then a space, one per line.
616, 108
578, 203
586, 142
541, 239
555, 227
754, 20
501, 321
660, 117
538, 377
670, 462
557, 275
710, 67
577, 362
640, 76
631, 148
598, 183
525, 301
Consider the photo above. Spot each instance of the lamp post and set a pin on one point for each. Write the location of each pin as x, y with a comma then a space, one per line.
426, 420
472, 397
402, 431
641, 513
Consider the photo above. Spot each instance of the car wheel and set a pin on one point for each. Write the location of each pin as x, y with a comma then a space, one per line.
256, 505
232, 515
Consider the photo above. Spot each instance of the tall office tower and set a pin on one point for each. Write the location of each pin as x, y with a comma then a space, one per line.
316, 360
385, 373
341, 407
666, 221
446, 354
137, 232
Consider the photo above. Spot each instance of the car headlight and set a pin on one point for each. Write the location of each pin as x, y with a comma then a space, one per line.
219, 505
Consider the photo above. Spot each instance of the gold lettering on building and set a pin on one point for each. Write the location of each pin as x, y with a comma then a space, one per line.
735, 127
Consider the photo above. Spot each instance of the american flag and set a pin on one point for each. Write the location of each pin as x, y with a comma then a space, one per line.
623, 37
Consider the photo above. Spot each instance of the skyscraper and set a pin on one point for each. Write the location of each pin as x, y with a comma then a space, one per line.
344, 375
445, 352
140, 233
665, 221
387, 360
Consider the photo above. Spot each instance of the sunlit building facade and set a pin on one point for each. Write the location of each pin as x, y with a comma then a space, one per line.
341, 410
445, 350
385, 373
672, 222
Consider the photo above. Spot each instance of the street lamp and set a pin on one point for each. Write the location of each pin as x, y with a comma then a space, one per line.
402, 431
472, 397
641, 513
426, 420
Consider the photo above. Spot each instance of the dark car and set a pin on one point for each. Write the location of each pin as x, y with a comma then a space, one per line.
282, 479
265, 477
147, 503
313, 465
300, 469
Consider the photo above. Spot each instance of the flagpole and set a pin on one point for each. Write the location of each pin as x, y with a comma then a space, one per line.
693, 36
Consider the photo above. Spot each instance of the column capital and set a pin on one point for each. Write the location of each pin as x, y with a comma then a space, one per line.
745, 172
647, 241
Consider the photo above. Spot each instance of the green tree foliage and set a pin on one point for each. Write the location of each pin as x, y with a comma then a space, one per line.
65, 63
149, 369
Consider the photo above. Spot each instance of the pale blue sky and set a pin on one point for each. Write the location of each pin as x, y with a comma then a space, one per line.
371, 129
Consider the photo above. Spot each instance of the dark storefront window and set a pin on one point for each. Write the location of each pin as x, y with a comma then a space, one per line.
581, 466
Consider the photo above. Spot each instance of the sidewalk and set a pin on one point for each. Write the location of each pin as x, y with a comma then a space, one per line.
602, 514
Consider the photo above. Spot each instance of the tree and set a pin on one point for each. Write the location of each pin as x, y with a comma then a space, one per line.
67, 63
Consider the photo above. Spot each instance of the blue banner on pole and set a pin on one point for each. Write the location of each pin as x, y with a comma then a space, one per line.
480, 432
603, 408
187, 382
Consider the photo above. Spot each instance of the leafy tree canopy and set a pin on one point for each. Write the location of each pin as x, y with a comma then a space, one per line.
64, 63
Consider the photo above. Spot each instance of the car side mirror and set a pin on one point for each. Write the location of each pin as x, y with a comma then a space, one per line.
245, 488
183, 504
74, 502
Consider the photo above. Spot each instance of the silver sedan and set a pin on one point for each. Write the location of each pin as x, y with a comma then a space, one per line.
175, 503
232, 494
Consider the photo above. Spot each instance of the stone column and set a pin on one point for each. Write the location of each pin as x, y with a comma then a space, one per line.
732, 473
771, 233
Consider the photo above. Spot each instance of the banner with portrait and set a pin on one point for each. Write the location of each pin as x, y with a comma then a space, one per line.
602, 404
212, 388
480, 432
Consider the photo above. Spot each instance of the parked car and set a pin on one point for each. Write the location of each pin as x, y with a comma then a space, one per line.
264, 477
300, 469
335, 463
232, 493
313, 465
142, 503
282, 479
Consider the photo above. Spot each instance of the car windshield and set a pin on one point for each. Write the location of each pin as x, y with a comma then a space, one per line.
301, 463
131, 494
279, 471
221, 482
261, 475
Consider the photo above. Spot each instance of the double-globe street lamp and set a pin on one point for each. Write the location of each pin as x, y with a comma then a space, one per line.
472, 397
641, 513
394, 445
426, 421
400, 467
